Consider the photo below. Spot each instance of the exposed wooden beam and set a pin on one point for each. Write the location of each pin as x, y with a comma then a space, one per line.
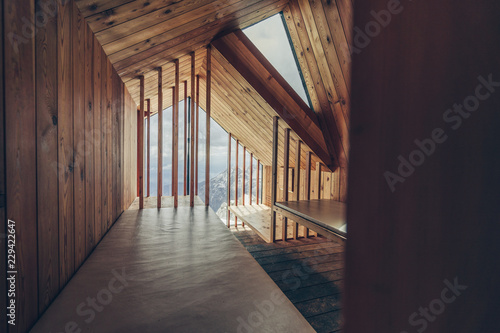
208, 110
148, 143
240, 52
274, 178
297, 184
140, 146
229, 181
193, 134
197, 131
160, 137
175, 137
286, 169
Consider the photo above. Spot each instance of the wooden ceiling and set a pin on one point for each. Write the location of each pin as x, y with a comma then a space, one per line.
140, 36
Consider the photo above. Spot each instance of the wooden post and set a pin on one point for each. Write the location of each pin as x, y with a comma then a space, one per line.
236, 182
308, 182
297, 185
243, 186
318, 180
148, 162
140, 144
197, 132
274, 178
185, 137
258, 181
138, 149
175, 138
286, 168
160, 138
191, 169
229, 181
209, 106
251, 177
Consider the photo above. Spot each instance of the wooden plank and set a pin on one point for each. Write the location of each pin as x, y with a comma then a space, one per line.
140, 145
318, 182
89, 142
251, 177
104, 126
109, 143
175, 137
193, 134
297, 184
286, 168
274, 178
236, 180
185, 146
78, 68
208, 119
229, 181
148, 146
98, 114
65, 139
258, 181
47, 173
160, 138
308, 182
197, 131
243, 185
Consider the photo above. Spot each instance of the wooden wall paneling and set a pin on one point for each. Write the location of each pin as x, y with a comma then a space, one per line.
197, 131
193, 134
175, 137
185, 146
104, 126
20, 153
286, 169
148, 148
160, 138
117, 165
343, 184
109, 143
274, 178
229, 181
326, 181
251, 178
335, 185
97, 139
266, 185
46, 163
298, 149
78, 38
89, 142
140, 145
65, 139
208, 118
318, 182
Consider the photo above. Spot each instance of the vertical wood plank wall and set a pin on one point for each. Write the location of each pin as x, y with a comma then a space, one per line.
70, 150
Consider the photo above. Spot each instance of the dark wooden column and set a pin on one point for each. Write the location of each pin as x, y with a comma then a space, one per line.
258, 181
274, 177
197, 133
175, 137
308, 182
185, 137
297, 184
148, 157
229, 181
160, 138
193, 134
243, 186
140, 144
286, 169
236, 180
251, 177
208, 110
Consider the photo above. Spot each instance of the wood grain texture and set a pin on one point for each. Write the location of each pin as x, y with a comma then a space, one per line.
192, 131
160, 137
140, 145
3, 216
175, 137
208, 111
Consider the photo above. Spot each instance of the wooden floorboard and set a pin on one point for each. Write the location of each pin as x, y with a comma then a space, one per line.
310, 271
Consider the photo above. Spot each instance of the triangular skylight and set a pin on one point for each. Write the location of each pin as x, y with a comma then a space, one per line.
271, 38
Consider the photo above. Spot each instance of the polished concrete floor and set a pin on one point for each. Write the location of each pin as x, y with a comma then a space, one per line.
171, 270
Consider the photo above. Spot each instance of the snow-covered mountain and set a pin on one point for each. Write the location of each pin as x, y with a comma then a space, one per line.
218, 191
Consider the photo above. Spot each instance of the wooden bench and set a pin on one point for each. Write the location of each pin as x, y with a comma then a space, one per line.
326, 217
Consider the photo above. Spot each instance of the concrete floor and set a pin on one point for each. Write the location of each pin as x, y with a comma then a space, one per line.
171, 271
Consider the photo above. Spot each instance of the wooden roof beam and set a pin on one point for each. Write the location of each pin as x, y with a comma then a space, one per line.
240, 52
